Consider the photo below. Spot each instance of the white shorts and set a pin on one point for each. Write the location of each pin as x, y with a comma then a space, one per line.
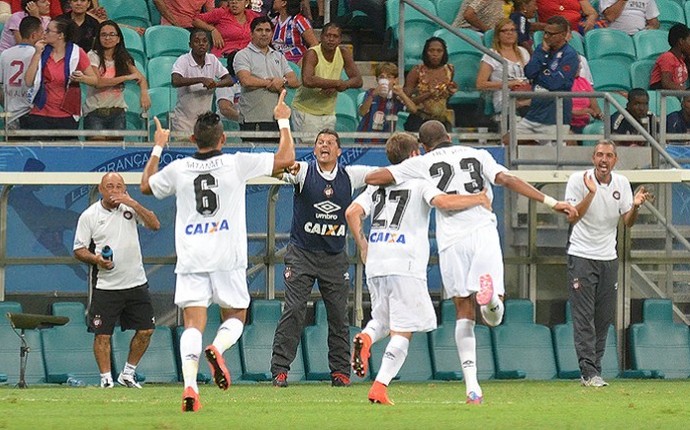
526, 126
227, 288
312, 124
474, 259
401, 303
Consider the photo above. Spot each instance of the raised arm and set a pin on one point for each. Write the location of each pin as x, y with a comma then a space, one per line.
147, 216
516, 184
160, 137
285, 156
458, 202
380, 176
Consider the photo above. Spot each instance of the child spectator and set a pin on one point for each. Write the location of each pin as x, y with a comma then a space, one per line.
381, 105
523, 12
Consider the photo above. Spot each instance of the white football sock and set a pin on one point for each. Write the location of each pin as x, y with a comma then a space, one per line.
393, 359
376, 330
190, 349
467, 351
228, 334
129, 369
493, 312
107, 376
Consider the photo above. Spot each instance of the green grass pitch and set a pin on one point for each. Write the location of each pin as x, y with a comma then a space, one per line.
625, 404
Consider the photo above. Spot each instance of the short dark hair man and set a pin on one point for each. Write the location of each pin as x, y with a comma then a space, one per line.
638, 107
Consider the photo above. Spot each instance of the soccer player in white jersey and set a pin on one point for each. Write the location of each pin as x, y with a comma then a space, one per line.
470, 256
210, 235
396, 253
14, 61
602, 198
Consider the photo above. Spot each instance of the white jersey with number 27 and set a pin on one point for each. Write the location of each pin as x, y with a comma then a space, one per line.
210, 225
399, 234
455, 170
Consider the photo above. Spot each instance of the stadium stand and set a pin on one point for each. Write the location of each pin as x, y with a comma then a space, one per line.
522, 348
346, 114
447, 10
672, 103
135, 45
658, 344
154, 14
411, 15
610, 74
159, 70
9, 355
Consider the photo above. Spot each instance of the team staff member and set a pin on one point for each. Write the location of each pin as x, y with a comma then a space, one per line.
323, 191
211, 235
601, 197
120, 288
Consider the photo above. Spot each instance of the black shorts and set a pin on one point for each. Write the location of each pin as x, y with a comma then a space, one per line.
132, 307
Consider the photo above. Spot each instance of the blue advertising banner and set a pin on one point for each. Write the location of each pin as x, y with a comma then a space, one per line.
42, 219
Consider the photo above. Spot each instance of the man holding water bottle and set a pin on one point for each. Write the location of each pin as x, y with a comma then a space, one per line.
107, 239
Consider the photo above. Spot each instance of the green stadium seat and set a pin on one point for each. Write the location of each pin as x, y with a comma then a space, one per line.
649, 44
447, 10
466, 69
658, 344
75, 311
670, 14
158, 71
135, 45
9, 355
129, 12
68, 351
594, 127
154, 14
256, 344
5, 307
158, 363
610, 74
163, 101
411, 15
162, 40
640, 72
522, 348
610, 44
672, 103
132, 94
456, 45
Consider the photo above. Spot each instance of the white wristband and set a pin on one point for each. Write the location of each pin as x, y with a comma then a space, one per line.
157, 151
284, 123
550, 201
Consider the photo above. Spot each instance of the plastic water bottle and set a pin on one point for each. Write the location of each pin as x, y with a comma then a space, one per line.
74, 382
107, 253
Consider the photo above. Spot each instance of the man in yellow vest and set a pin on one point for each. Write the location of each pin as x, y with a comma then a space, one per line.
322, 67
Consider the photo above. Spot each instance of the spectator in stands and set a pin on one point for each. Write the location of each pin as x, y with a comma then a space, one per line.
14, 62
322, 67
430, 85
196, 75
120, 288
679, 121
86, 24
228, 25
553, 67
5, 11
180, 13
579, 13
293, 33
670, 71
55, 8
524, 13
263, 73
490, 75
630, 16
228, 98
10, 32
381, 104
584, 108
60, 66
105, 106
638, 107
479, 15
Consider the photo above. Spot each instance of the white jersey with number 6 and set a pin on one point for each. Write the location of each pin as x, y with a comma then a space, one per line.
454, 170
210, 225
399, 234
